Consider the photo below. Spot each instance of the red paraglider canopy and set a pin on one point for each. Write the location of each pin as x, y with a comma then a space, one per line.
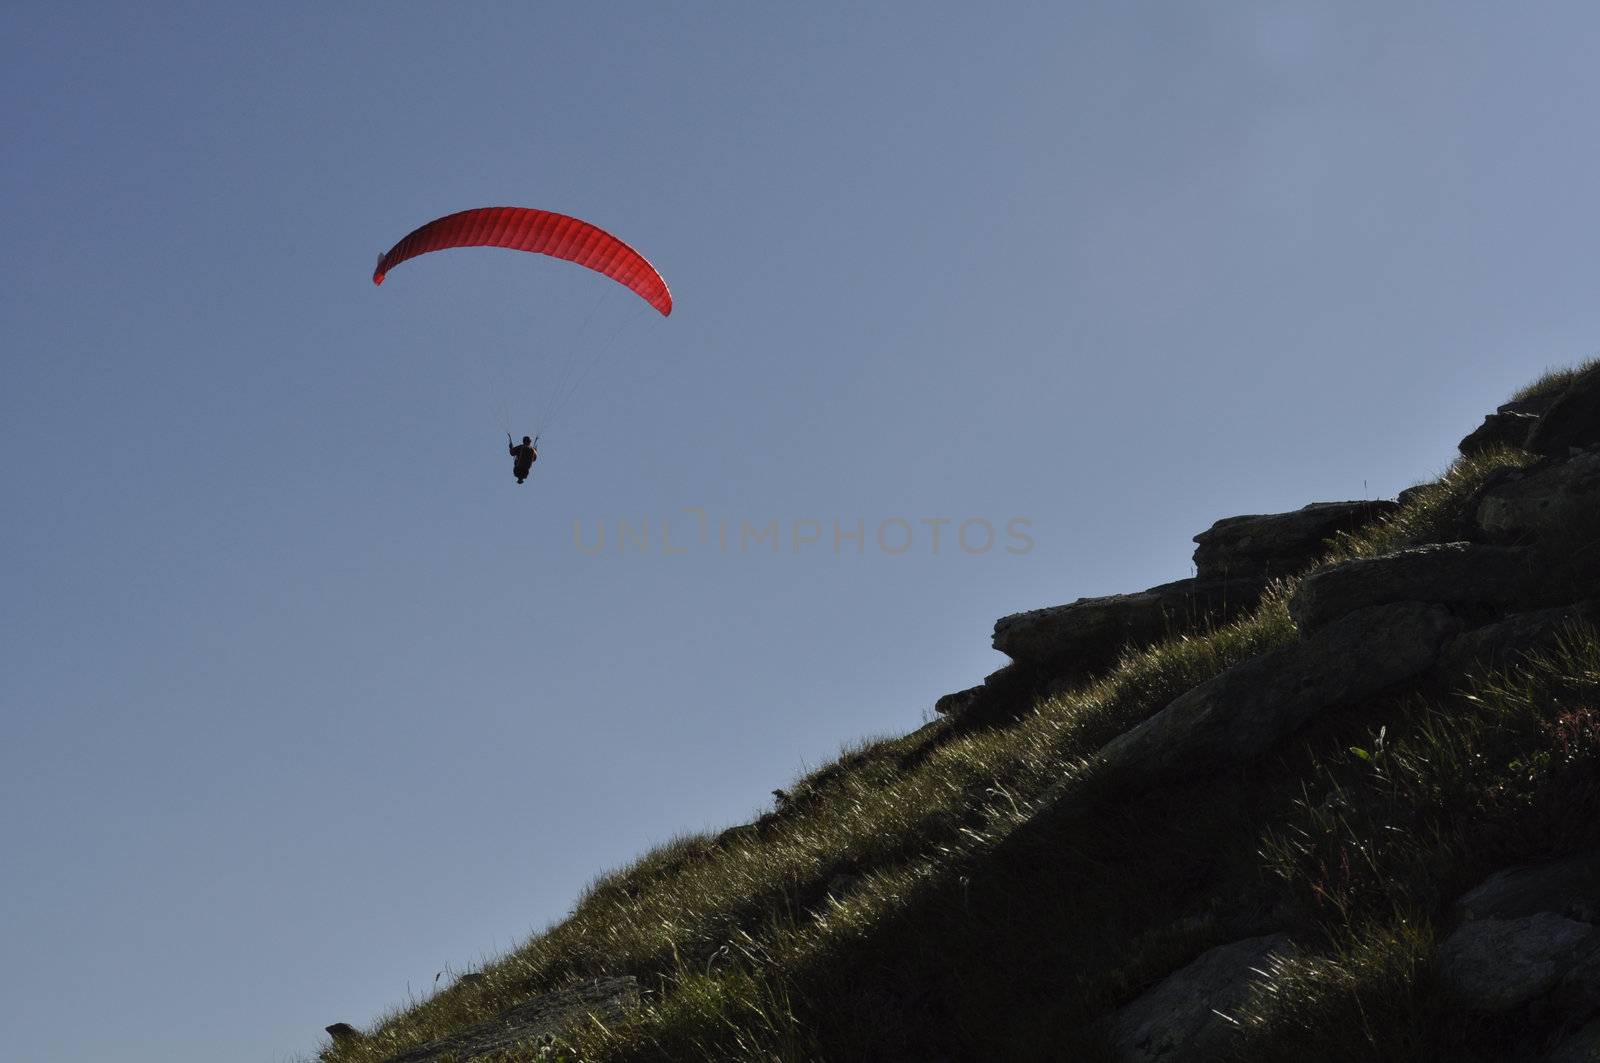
540, 231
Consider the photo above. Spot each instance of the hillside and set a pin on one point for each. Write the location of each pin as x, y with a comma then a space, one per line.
1336, 797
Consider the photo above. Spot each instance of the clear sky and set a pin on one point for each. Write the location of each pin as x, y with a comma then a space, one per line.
305, 700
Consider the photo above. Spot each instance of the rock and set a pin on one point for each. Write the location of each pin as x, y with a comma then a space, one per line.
1245, 710
1279, 544
1471, 576
1501, 429
1543, 499
1089, 634
954, 704
1573, 419
1569, 887
1495, 965
1536, 937
1536, 406
1580, 1047
1451, 573
1578, 995
1185, 1019
1506, 642
1006, 683
608, 999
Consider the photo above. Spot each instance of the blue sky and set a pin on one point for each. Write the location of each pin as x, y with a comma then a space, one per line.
303, 699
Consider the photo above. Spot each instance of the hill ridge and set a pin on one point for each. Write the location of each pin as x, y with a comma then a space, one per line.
1239, 816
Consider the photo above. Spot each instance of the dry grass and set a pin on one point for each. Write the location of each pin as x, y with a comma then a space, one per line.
795, 938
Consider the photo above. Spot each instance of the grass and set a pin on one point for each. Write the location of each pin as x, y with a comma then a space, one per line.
1554, 381
972, 895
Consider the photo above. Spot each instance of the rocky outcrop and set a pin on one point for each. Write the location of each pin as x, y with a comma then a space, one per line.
1569, 887
1546, 498
1508, 641
1494, 965
1249, 707
1089, 634
1450, 573
1474, 578
1516, 578
1573, 419
1580, 1047
531, 1022
1001, 687
1499, 429
1186, 1018
1528, 934
1053, 647
1236, 559
1279, 544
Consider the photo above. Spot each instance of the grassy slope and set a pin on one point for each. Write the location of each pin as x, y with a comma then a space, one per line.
923, 897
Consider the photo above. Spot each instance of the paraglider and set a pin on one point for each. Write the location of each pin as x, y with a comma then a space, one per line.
542, 232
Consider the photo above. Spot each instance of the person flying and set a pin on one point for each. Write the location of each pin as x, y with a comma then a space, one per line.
524, 454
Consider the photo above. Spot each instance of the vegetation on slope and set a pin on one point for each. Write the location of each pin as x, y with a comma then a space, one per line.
976, 895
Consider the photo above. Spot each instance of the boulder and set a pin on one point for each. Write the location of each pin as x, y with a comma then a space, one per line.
1528, 933
1573, 419
1546, 498
1246, 709
1569, 887
1451, 573
1580, 1047
1088, 635
1185, 1019
1578, 995
1534, 406
1495, 965
1498, 430
1506, 642
1279, 544
1006, 684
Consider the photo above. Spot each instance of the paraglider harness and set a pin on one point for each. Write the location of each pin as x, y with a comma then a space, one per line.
525, 454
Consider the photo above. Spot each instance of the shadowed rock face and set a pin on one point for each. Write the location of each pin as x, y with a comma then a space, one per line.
1581, 1047
1524, 503
1464, 575
1279, 544
1507, 641
1494, 965
1251, 706
1452, 573
1570, 888
1089, 634
1236, 559
1056, 646
1178, 1021
1525, 934
1573, 420
605, 998
1498, 430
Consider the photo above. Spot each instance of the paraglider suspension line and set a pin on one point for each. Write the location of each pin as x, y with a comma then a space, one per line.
569, 384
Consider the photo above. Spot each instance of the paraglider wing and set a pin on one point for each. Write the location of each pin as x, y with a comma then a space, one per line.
540, 231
